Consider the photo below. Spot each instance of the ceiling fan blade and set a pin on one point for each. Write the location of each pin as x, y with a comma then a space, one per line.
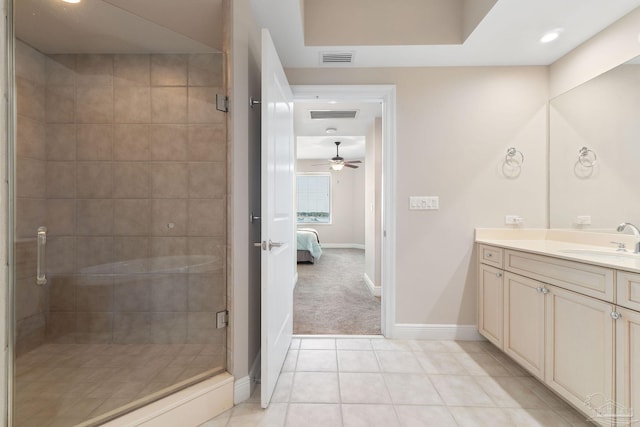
347, 165
353, 161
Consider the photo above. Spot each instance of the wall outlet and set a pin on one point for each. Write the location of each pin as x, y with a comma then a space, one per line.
424, 203
513, 220
583, 220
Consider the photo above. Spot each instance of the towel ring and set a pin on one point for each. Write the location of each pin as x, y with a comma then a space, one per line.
587, 157
514, 157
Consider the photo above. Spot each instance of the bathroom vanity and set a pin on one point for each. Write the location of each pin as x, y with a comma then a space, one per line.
566, 306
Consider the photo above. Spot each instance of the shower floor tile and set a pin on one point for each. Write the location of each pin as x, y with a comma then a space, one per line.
65, 384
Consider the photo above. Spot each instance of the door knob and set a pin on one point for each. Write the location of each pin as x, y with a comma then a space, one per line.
274, 244
270, 245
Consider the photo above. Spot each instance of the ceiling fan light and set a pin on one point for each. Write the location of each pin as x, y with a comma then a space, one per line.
337, 166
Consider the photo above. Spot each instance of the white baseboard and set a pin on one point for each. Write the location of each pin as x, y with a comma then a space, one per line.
243, 387
416, 331
376, 291
242, 390
342, 246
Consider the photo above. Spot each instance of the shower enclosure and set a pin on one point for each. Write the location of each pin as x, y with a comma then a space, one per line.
118, 210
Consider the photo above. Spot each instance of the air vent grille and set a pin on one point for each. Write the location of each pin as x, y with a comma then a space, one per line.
333, 114
333, 58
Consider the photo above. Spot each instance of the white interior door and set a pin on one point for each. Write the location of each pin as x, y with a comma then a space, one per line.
277, 261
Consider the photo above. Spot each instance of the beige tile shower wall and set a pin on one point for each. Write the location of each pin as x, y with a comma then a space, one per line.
136, 170
30, 197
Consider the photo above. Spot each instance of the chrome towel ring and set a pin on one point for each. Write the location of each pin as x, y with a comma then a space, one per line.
587, 157
514, 157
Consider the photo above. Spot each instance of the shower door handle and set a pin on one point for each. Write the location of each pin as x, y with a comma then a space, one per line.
41, 278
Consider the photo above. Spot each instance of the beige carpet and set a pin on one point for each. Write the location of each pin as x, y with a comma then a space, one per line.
331, 296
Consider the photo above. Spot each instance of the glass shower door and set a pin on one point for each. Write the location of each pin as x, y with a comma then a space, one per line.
120, 213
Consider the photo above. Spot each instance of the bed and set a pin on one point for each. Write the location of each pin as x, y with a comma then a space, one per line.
308, 244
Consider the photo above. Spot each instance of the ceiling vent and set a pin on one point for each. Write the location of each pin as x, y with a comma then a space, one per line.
333, 114
336, 58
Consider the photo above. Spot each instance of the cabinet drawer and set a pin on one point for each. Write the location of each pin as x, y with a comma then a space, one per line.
586, 279
628, 290
491, 255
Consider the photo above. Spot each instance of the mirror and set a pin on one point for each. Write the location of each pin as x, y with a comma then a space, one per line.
594, 152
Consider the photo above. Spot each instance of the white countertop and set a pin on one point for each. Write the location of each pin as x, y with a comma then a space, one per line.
555, 243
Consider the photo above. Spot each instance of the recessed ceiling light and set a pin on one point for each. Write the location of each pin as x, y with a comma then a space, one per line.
72, 1
551, 35
331, 130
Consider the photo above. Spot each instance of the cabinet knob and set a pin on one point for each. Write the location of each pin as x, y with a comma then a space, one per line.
544, 290
498, 274
615, 315
489, 255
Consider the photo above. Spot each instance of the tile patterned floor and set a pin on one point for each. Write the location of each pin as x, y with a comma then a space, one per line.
61, 385
379, 382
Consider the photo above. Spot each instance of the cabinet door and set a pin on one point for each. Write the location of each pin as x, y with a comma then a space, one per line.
490, 308
524, 322
628, 367
579, 350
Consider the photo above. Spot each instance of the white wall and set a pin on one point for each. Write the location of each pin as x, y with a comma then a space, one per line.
244, 134
347, 204
454, 126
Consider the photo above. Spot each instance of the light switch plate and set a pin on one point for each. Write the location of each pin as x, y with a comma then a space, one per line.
583, 220
513, 220
424, 203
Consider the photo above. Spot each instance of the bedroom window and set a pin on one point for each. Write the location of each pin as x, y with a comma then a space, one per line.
314, 198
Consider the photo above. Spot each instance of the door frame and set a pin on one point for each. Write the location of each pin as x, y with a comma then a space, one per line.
387, 95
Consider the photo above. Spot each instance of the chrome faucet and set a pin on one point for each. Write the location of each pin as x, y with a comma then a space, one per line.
636, 233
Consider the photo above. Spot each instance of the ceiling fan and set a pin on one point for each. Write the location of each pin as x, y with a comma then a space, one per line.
337, 163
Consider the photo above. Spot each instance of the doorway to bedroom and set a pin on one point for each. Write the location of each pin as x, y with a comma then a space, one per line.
339, 145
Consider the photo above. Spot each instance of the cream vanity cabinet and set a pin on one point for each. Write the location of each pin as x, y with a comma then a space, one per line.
579, 347
524, 314
628, 345
560, 322
490, 292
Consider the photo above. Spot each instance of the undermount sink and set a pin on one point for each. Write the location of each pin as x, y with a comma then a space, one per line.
601, 253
